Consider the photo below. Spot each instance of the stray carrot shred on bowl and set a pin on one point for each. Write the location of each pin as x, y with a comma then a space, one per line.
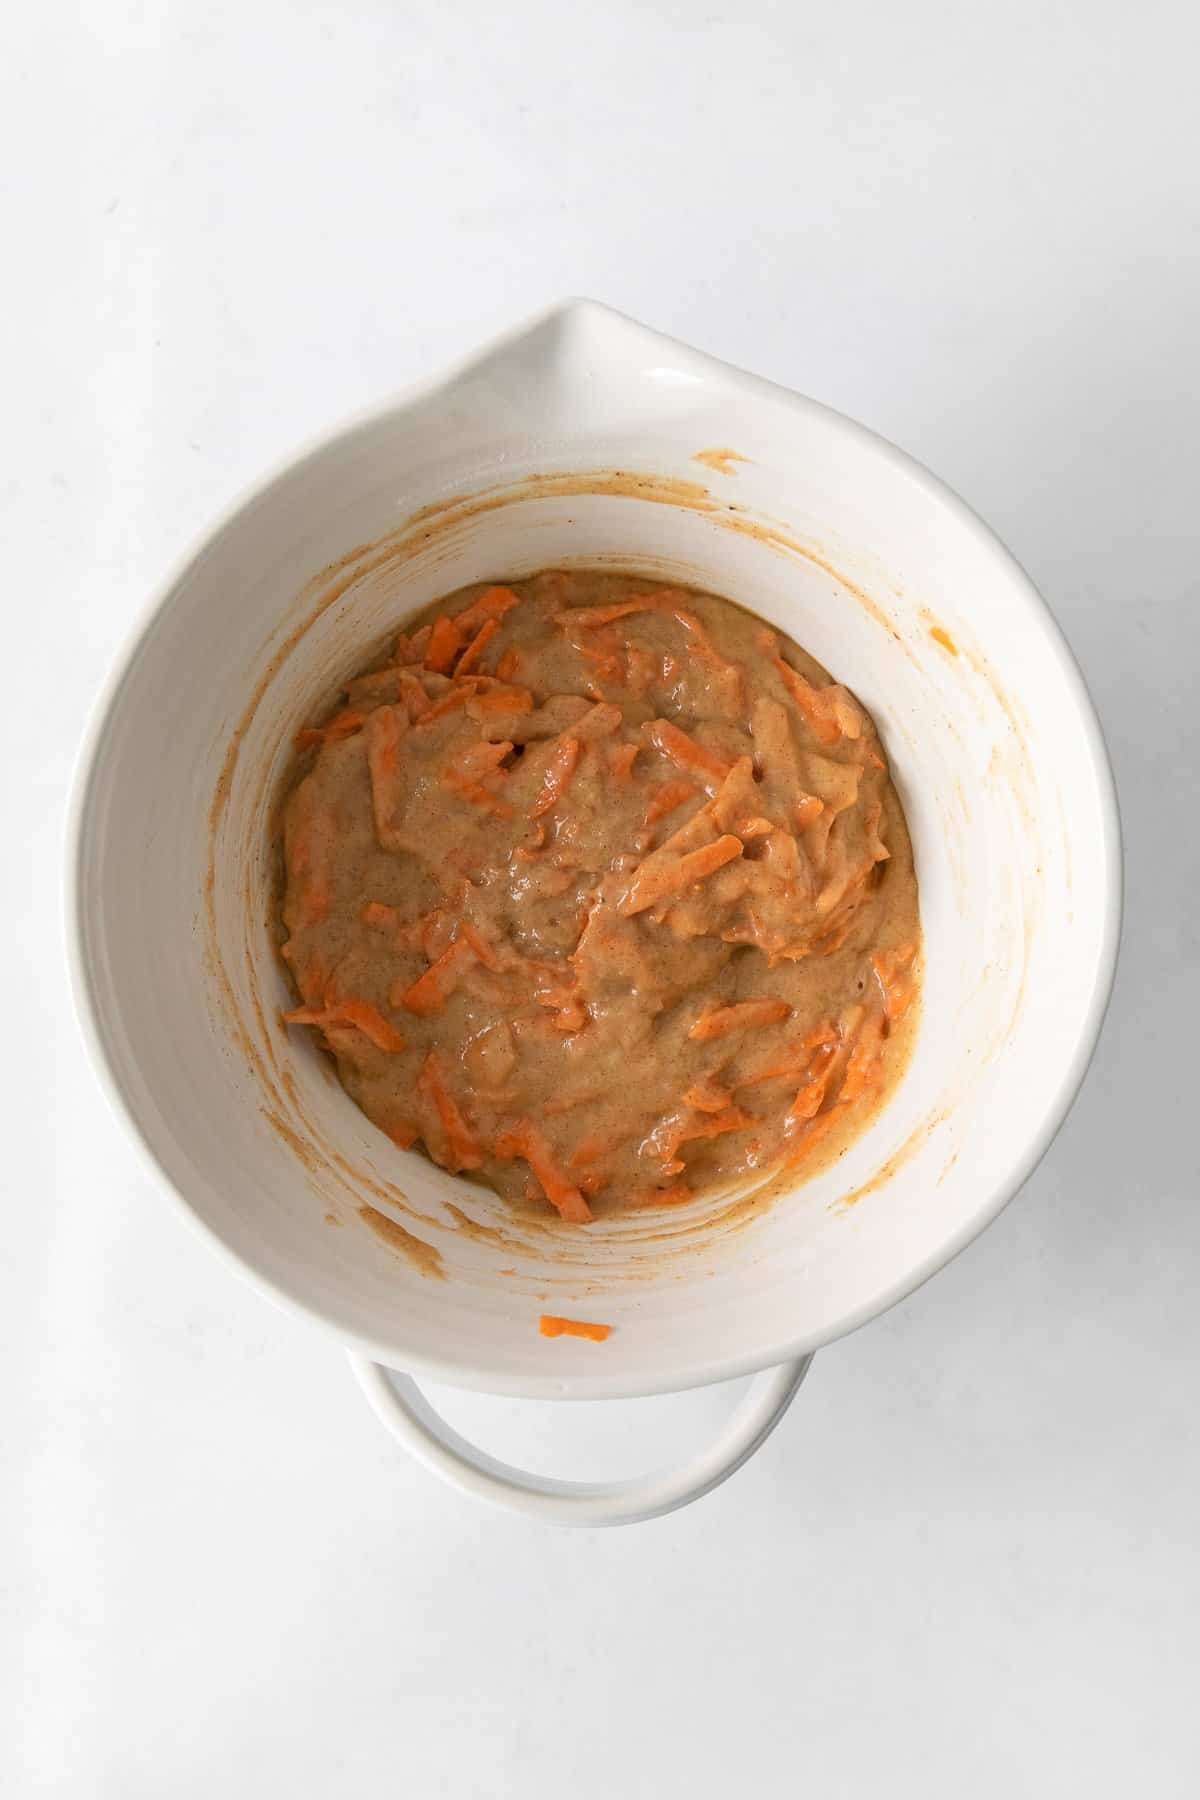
551, 1326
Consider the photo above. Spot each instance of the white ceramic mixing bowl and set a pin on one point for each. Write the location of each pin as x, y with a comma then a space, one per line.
586, 439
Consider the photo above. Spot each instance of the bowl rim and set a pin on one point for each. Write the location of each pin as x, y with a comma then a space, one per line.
586, 1385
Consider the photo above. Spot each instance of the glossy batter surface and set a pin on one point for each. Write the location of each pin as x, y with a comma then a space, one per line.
600, 892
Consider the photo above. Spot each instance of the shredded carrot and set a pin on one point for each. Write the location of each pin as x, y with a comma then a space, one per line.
730, 1118
809, 1136
364, 1017
430, 991
340, 726
818, 712
652, 883
403, 1133
681, 1128
416, 700
863, 1065
458, 696
598, 721
445, 644
621, 759
551, 1326
525, 1140
371, 1022
385, 918
707, 1095
557, 777
810, 1052
477, 792
305, 1015
493, 603
892, 972
385, 732
309, 969
461, 1147
669, 741
570, 1013
811, 1097
589, 616
475, 649
808, 810
478, 761
509, 663
665, 798
479, 945
746, 1015
658, 600
431, 932
499, 700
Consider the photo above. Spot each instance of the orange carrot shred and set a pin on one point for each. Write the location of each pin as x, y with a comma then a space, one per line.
461, 1148
475, 649
570, 1013
666, 797
811, 1097
386, 728
818, 711
493, 603
669, 741
385, 918
341, 725
707, 1096
863, 1065
730, 1118
458, 696
445, 643
745, 1015
550, 1325
498, 701
652, 883
600, 615
895, 982
509, 663
371, 1022
479, 945
808, 810
431, 990
621, 760
305, 1015
556, 779
809, 1136
477, 794
403, 1133
364, 1017
525, 1140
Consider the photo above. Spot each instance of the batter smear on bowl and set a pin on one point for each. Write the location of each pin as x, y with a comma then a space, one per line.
600, 893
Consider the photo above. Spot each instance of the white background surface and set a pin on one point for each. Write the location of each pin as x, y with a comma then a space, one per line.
967, 1563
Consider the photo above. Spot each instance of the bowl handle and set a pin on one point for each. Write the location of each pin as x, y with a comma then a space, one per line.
399, 1403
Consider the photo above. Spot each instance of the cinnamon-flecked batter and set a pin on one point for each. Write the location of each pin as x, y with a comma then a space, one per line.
600, 892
